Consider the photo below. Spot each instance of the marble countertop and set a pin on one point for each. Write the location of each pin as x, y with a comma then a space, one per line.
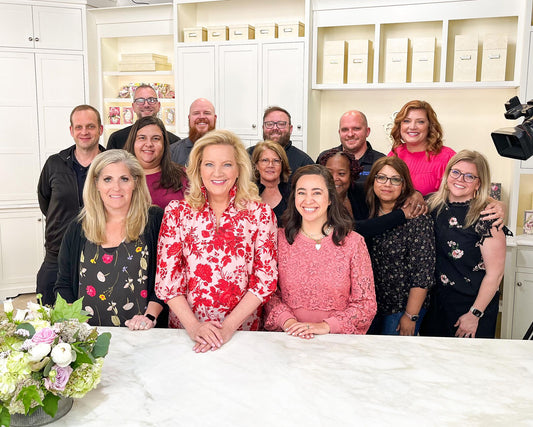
153, 378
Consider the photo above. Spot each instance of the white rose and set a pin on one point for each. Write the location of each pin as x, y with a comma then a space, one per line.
37, 352
8, 306
20, 315
63, 355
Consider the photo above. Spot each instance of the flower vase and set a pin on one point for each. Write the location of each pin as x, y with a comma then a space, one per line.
39, 417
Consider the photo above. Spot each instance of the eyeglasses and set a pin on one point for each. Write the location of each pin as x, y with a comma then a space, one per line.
280, 125
266, 162
467, 177
394, 180
141, 101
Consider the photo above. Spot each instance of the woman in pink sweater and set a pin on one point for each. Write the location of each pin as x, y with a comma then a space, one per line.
325, 280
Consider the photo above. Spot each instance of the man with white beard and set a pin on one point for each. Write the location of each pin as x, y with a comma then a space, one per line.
202, 119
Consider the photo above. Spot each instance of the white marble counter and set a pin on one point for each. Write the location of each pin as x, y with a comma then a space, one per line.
153, 378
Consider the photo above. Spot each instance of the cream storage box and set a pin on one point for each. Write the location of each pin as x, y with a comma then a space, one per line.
241, 32
266, 31
358, 67
494, 58
465, 58
396, 60
143, 62
333, 64
423, 60
194, 34
217, 33
291, 29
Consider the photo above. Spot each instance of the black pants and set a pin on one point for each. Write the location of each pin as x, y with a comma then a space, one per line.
46, 279
447, 305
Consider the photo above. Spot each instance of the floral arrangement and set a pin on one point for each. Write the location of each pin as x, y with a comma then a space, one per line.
45, 354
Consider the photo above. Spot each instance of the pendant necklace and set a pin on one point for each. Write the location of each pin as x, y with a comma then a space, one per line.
318, 242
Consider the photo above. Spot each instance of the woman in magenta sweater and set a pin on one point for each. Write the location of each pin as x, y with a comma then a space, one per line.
325, 280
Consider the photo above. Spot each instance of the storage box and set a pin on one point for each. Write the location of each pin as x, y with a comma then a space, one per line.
144, 57
358, 67
423, 64
291, 29
241, 32
194, 34
266, 31
143, 66
494, 58
465, 58
333, 64
217, 33
396, 60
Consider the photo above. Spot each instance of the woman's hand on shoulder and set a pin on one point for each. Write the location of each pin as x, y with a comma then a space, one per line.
414, 206
305, 330
494, 210
139, 322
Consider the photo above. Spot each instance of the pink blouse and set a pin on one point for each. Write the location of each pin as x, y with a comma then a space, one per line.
333, 284
214, 268
162, 196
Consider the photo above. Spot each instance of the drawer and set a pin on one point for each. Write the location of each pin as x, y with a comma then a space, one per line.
524, 258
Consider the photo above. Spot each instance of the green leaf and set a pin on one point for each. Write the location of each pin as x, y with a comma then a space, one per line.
65, 311
50, 402
28, 395
48, 367
28, 328
102, 345
83, 355
5, 417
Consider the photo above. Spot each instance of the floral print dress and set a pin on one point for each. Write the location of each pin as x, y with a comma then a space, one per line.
113, 282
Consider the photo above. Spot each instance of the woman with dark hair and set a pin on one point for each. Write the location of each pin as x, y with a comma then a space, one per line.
325, 274
148, 141
403, 258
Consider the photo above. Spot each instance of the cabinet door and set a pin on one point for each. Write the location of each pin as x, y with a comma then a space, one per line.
283, 80
196, 79
15, 25
58, 28
238, 85
19, 140
60, 87
21, 250
523, 301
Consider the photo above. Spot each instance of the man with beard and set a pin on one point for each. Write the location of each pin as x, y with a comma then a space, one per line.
145, 103
202, 119
277, 127
353, 131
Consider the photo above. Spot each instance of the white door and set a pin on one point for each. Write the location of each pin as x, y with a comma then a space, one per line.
60, 87
16, 29
523, 301
19, 139
196, 79
238, 85
58, 28
283, 80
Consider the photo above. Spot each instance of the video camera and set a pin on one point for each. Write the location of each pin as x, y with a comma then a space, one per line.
517, 142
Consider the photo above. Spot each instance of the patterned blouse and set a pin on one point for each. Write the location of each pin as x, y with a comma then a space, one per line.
113, 282
403, 258
333, 284
214, 268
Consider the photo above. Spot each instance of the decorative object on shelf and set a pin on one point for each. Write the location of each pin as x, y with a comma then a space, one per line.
163, 90
217, 33
496, 190
291, 29
241, 32
114, 115
144, 62
333, 63
266, 31
396, 60
47, 354
194, 34
528, 222
494, 58
387, 127
358, 69
423, 64
465, 58
127, 115
169, 116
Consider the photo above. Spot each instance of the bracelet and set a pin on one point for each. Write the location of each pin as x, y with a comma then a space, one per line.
151, 317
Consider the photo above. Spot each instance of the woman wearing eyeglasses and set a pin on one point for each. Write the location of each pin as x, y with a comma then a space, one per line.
403, 258
271, 172
470, 252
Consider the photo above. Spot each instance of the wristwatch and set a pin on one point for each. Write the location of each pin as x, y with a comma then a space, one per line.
476, 312
413, 317
152, 318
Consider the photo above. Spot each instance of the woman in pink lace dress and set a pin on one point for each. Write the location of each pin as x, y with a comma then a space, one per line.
217, 248
325, 282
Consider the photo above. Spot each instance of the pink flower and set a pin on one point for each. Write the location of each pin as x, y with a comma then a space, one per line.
144, 293
91, 291
58, 378
107, 258
45, 335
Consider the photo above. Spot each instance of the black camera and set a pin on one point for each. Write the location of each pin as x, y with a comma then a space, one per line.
517, 142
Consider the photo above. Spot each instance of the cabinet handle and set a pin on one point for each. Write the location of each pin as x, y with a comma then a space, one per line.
254, 126
39, 220
263, 31
30, 38
36, 39
287, 30
494, 56
237, 33
215, 34
299, 127
465, 58
518, 283
357, 61
423, 59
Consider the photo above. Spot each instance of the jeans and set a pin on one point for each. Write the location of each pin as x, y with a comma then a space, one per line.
387, 324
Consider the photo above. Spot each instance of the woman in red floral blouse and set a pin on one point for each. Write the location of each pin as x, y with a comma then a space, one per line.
217, 248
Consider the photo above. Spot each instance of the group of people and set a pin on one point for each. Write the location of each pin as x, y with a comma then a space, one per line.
202, 235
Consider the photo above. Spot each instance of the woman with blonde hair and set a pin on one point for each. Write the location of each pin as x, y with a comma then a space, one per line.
108, 255
470, 252
271, 173
217, 248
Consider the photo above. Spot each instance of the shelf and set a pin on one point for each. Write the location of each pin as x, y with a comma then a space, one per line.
418, 86
129, 100
137, 73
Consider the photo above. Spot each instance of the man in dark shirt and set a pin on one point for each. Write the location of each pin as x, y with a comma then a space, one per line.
353, 131
145, 103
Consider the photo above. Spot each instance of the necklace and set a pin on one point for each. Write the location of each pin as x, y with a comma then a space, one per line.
318, 242
381, 211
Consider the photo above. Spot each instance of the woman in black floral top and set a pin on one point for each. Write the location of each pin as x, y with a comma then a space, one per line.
403, 258
470, 252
